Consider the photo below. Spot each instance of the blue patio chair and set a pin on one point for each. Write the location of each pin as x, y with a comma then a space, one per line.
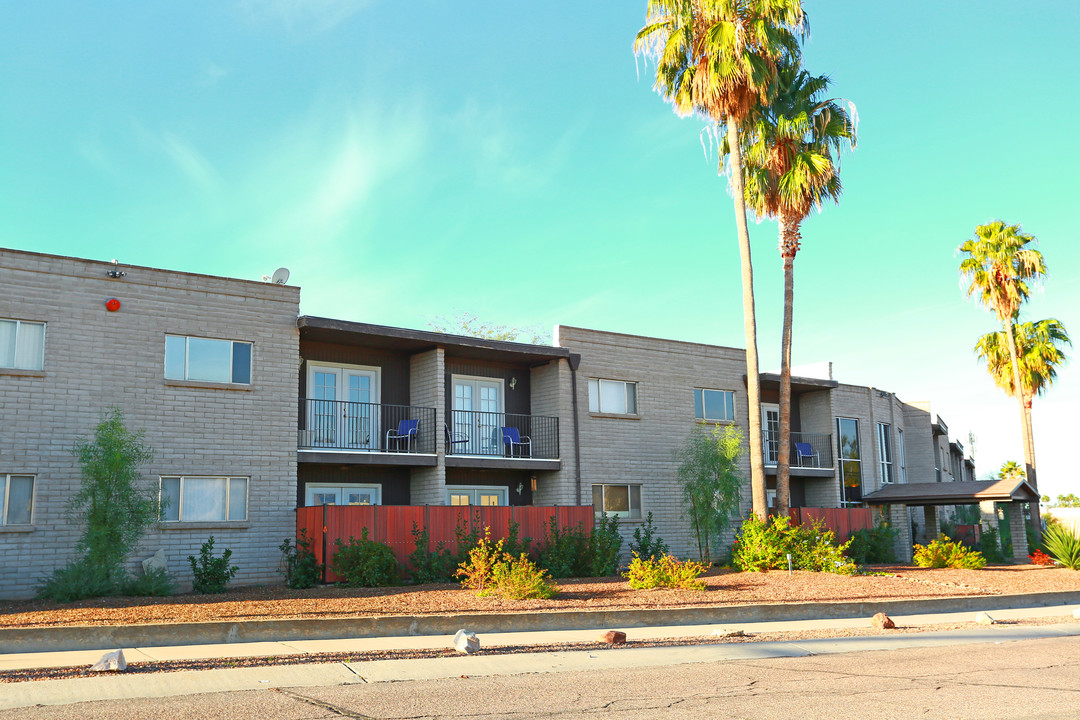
453, 439
512, 438
804, 452
407, 430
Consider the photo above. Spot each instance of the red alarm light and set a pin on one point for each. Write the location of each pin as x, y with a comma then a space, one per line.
112, 304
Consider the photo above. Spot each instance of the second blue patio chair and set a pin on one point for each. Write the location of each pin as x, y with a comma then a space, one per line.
805, 451
407, 430
512, 438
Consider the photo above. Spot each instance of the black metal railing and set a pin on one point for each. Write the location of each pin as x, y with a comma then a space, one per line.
816, 450
366, 427
470, 432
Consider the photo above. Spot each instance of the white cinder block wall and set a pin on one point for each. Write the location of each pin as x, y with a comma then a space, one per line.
95, 359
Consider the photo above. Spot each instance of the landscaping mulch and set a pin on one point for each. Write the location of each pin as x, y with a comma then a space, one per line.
723, 587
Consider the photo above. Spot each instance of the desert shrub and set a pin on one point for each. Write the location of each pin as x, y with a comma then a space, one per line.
873, 545
710, 481
1063, 545
605, 544
430, 565
764, 545
943, 552
77, 580
647, 544
477, 572
1040, 558
298, 563
564, 550
665, 571
990, 546
211, 575
154, 583
364, 562
490, 570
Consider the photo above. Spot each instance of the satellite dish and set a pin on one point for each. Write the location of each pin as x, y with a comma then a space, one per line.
281, 276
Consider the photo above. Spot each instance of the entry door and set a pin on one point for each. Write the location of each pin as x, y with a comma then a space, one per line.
343, 410
478, 414
770, 432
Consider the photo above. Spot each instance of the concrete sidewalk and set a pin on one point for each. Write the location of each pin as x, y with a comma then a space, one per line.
320, 674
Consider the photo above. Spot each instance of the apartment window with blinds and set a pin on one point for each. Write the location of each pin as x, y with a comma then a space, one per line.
623, 501
612, 396
884, 439
16, 499
207, 360
900, 454
187, 498
22, 345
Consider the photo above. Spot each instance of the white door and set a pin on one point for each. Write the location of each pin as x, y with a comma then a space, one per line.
343, 409
478, 414
770, 432
343, 494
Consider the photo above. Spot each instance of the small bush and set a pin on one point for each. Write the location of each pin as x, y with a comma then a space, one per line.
77, 581
874, 545
489, 570
210, 574
1040, 558
647, 544
990, 546
564, 552
298, 563
155, 583
430, 566
364, 562
605, 544
1063, 545
943, 552
477, 572
665, 571
766, 545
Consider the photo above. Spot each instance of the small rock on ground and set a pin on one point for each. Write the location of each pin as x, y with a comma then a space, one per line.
724, 633
881, 621
466, 642
614, 637
112, 661
985, 619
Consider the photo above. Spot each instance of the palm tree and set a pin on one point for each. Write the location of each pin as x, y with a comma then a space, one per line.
1011, 470
999, 267
717, 59
789, 148
1039, 353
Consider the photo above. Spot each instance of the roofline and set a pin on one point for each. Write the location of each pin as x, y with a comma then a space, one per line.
432, 336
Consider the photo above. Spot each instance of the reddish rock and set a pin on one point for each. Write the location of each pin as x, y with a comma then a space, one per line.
881, 621
614, 637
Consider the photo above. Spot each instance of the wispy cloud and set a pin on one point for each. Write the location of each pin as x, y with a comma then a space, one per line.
190, 161
303, 17
211, 73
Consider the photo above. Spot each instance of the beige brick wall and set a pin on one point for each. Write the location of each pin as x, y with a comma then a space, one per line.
95, 359
551, 396
426, 389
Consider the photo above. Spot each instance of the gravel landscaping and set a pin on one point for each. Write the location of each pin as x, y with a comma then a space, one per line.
722, 588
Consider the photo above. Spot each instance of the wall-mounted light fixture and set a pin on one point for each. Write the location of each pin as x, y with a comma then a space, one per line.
513, 383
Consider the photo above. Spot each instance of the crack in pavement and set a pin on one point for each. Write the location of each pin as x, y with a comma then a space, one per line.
324, 705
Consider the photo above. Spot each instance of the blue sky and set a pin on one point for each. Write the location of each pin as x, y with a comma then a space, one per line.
411, 160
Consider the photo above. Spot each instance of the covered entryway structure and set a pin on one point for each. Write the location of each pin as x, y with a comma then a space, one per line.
983, 493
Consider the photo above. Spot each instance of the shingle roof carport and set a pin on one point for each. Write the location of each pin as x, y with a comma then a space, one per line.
953, 493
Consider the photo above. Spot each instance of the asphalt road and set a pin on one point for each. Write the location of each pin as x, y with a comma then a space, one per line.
1027, 679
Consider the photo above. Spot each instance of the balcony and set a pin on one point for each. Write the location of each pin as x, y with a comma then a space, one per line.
817, 461
473, 434
335, 427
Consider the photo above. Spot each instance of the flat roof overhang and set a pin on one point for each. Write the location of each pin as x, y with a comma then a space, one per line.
953, 493
344, 332
799, 385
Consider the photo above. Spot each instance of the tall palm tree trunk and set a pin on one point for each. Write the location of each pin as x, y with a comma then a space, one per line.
753, 386
789, 245
1025, 427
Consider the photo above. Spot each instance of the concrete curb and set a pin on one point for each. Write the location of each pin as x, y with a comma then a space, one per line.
92, 637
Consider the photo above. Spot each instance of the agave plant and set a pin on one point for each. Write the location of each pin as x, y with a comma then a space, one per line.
1063, 545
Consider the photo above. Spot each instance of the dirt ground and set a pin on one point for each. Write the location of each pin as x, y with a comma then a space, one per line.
722, 588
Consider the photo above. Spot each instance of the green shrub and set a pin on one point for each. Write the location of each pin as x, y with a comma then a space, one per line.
943, 552
874, 545
564, 552
1063, 545
77, 580
298, 563
364, 562
766, 545
155, 583
605, 544
490, 570
477, 571
426, 565
665, 571
647, 544
989, 545
210, 575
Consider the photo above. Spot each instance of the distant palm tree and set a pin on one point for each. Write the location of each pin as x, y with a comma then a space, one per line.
1011, 469
1039, 353
999, 267
717, 59
791, 148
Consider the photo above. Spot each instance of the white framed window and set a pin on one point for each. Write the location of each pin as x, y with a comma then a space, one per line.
16, 499
485, 495
207, 359
884, 439
850, 454
22, 345
343, 494
714, 405
900, 454
623, 501
612, 396
197, 498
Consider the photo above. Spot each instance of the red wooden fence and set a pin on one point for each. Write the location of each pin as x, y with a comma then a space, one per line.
842, 521
393, 524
